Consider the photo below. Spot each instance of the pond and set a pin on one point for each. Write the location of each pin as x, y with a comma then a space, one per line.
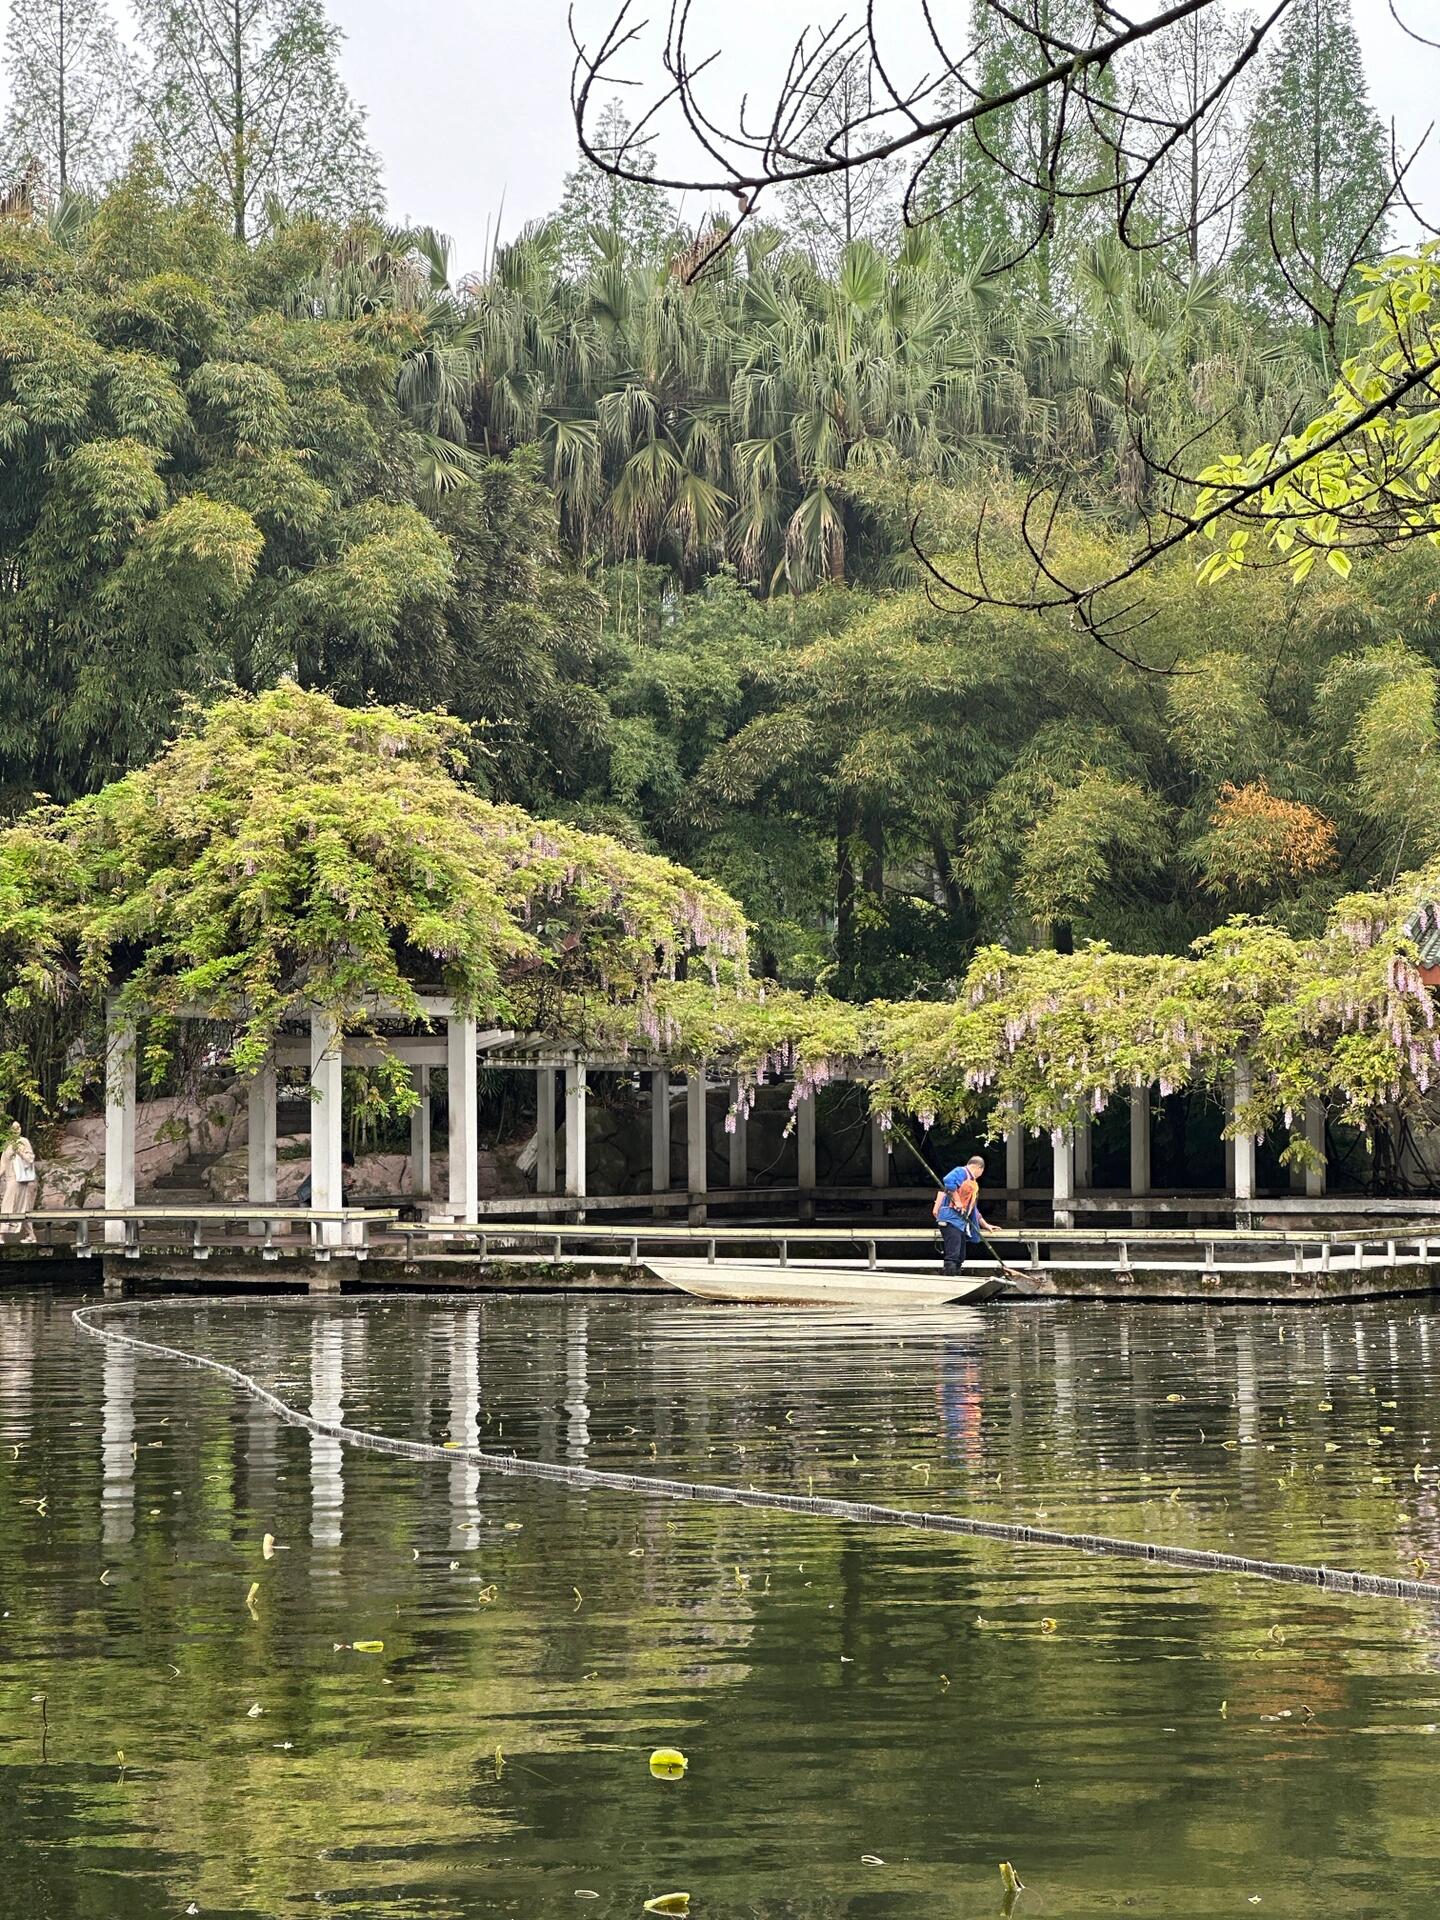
873, 1719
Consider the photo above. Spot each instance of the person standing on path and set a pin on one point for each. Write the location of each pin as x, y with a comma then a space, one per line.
957, 1212
21, 1184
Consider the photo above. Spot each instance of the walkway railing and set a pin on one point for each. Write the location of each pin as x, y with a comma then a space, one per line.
360, 1233
1119, 1251
259, 1229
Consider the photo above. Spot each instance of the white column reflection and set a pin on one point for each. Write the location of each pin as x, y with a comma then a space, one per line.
577, 1384
464, 1426
117, 1448
17, 1371
327, 1481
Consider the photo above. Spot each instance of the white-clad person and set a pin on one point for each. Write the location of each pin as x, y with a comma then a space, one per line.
21, 1185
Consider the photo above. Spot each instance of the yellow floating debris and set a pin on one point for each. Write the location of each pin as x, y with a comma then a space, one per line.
668, 1763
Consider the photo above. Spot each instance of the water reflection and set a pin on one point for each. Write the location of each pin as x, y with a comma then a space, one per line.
841, 1690
327, 1455
117, 1447
577, 1381
18, 1322
461, 1332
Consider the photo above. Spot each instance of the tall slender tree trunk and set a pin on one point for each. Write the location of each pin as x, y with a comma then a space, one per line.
872, 831
1192, 104
240, 185
62, 134
844, 896
1314, 239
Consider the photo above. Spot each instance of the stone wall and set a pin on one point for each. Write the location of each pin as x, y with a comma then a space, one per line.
167, 1133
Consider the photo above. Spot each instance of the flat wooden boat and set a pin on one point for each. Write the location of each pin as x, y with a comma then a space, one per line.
799, 1284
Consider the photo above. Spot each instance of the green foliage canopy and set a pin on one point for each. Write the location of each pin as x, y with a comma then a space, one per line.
288, 850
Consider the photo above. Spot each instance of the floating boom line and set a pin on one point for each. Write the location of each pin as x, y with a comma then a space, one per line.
858, 1512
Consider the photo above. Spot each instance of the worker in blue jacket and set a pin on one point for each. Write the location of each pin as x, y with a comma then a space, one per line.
957, 1212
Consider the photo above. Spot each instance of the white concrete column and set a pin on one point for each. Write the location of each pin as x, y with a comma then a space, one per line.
697, 1156
262, 1167
576, 1090
545, 1130
1015, 1173
739, 1138
1315, 1135
119, 1116
1063, 1142
660, 1131
326, 1081
1243, 1176
462, 1075
879, 1153
1084, 1155
805, 1155
1140, 1139
420, 1133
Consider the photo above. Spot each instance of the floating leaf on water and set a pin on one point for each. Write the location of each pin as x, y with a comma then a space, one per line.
367, 1646
1047, 1625
579, 1598
267, 1547
1174, 1399
1421, 1566
586, 1893
487, 1594
637, 1553
254, 1713
1009, 1879
1332, 1446
668, 1903
105, 1576
668, 1763
1325, 1406
252, 1595
871, 1860
514, 1526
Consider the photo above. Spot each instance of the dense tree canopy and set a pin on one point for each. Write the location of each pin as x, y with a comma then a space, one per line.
673, 550
288, 849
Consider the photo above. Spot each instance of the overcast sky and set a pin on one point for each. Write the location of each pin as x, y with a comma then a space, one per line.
469, 99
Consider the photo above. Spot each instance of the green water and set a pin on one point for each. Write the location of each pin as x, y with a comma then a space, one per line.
1135, 1741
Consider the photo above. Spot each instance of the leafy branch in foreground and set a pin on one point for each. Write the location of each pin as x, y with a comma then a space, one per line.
1365, 471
